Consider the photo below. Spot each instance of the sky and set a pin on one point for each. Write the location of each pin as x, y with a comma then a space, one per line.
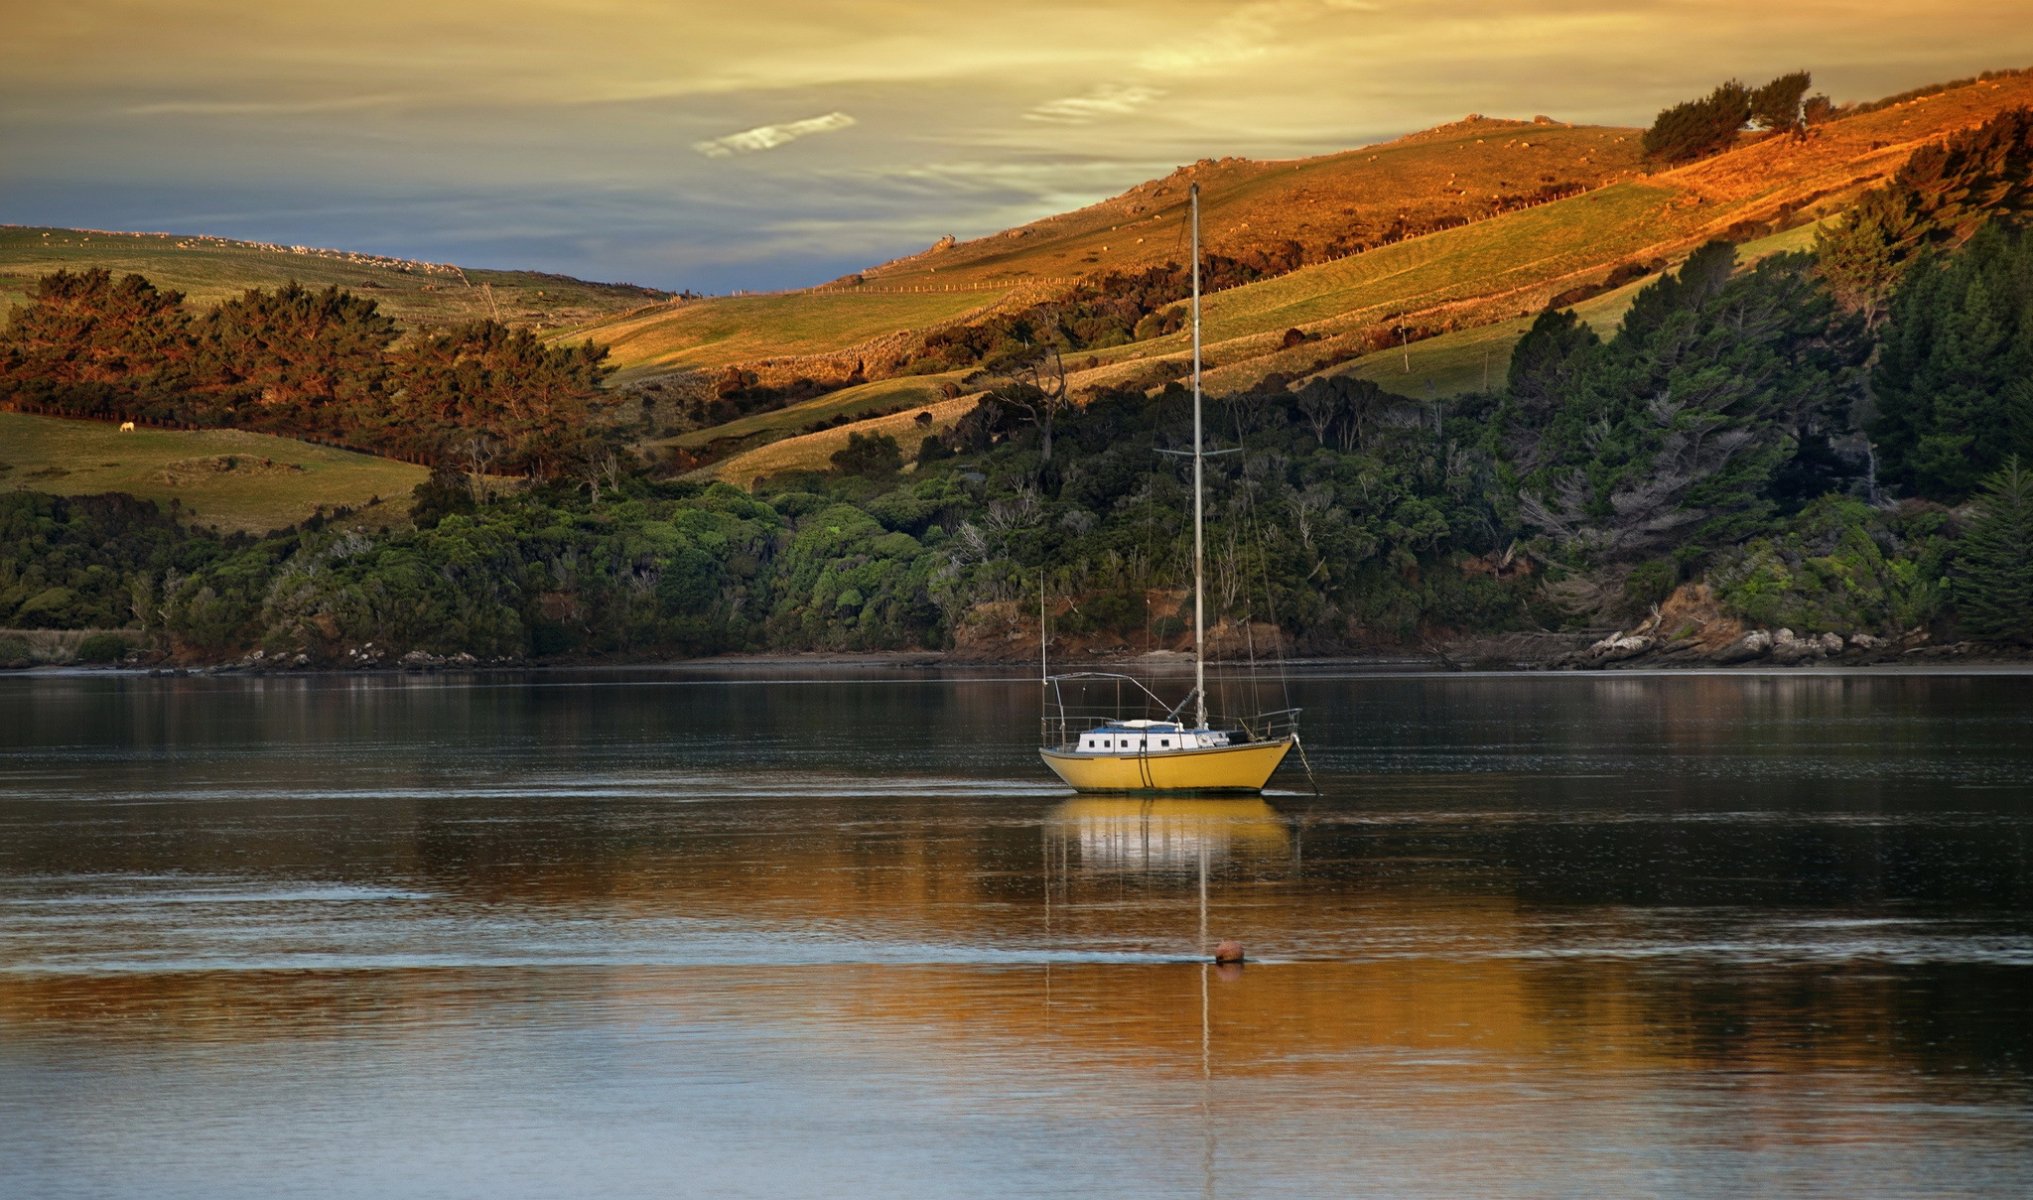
774, 143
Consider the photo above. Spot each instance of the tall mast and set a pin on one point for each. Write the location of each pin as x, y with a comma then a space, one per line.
1199, 549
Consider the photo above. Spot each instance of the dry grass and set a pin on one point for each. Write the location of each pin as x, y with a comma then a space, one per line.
721, 331
1452, 172
880, 397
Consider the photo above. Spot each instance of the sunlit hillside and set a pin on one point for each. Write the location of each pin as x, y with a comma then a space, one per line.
1462, 295
722, 331
210, 269
228, 478
1330, 205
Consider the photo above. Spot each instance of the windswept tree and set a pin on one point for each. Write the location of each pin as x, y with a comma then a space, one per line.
295, 360
1545, 367
1686, 429
1700, 127
89, 345
1777, 106
1940, 197
1031, 381
1953, 383
541, 402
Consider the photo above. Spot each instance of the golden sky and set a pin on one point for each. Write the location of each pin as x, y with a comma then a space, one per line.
767, 142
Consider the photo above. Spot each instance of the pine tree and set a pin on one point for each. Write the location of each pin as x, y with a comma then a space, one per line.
1995, 595
1951, 379
1777, 105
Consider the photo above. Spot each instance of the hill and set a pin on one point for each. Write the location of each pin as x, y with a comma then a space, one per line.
210, 269
1475, 282
231, 479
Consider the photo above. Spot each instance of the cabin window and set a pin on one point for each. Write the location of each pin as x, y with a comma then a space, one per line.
1165, 741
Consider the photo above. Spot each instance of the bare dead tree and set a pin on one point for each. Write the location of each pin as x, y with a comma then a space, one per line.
1033, 383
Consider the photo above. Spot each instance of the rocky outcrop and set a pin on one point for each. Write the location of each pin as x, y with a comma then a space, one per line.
1691, 629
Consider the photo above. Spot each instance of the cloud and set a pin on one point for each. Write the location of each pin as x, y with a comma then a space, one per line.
1107, 100
769, 137
1248, 31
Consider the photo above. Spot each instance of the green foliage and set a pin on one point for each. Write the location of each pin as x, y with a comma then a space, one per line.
1994, 590
322, 365
447, 491
1649, 583
875, 456
67, 562
14, 652
1700, 127
1777, 105
1838, 565
1942, 195
1715, 406
1954, 378
103, 648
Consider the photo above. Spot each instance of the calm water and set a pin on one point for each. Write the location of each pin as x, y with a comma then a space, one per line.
672, 934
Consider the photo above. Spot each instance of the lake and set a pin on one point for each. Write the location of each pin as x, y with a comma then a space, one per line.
836, 932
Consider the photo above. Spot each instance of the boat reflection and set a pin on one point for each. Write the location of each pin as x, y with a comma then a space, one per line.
1108, 834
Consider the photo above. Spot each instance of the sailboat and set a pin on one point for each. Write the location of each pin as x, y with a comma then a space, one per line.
1171, 752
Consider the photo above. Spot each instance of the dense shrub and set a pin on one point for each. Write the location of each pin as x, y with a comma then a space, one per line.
102, 648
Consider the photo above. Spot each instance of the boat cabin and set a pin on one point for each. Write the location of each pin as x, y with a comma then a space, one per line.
1147, 737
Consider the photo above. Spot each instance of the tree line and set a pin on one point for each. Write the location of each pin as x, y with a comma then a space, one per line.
324, 365
1815, 461
1716, 437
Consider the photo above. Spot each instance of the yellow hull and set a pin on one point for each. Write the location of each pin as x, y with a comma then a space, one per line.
1244, 768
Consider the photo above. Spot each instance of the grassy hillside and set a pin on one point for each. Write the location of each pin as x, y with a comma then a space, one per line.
814, 451
209, 269
1475, 359
226, 478
879, 397
1464, 171
720, 331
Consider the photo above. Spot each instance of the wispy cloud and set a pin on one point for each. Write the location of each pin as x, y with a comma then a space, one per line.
769, 137
1248, 31
1107, 100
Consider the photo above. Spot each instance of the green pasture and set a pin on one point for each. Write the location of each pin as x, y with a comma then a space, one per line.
1459, 362
224, 477
208, 270
814, 451
724, 330
915, 391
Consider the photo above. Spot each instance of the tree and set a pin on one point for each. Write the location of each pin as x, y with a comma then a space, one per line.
295, 360
1678, 432
1953, 384
1700, 127
1995, 593
1938, 198
1031, 380
1777, 105
1545, 365
89, 345
542, 402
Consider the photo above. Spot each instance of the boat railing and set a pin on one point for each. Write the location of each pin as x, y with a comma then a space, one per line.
1088, 700
1264, 726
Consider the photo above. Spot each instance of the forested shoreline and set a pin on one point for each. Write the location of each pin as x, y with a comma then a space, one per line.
1830, 446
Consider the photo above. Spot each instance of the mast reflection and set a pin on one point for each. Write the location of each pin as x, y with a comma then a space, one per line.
1161, 835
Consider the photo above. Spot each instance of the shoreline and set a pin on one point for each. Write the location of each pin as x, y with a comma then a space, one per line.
1958, 662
